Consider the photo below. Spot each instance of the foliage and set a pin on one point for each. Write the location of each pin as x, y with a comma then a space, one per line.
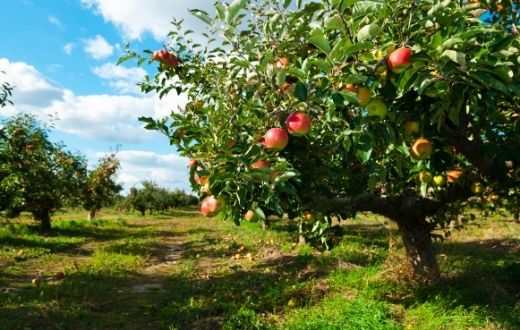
36, 175
154, 198
461, 87
100, 186
6, 91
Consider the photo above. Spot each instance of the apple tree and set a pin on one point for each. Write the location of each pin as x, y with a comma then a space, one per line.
315, 110
100, 186
36, 175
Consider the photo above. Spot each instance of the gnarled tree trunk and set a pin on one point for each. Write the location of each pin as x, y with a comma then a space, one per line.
420, 252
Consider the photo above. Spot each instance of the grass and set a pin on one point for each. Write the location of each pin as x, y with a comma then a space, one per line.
182, 271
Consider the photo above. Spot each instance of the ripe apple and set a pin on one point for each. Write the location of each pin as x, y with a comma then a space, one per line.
364, 95
438, 180
250, 216
377, 108
308, 217
192, 163
477, 187
298, 123
411, 127
421, 149
492, 198
398, 59
453, 175
260, 164
286, 87
202, 180
282, 62
210, 206
351, 87
276, 139
425, 176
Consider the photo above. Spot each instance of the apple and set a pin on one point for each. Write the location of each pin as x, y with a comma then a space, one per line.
492, 198
282, 62
308, 217
351, 87
477, 187
377, 108
425, 176
192, 163
411, 127
438, 180
260, 164
168, 59
205, 188
453, 175
364, 95
250, 216
59, 275
286, 87
356, 166
298, 123
276, 139
202, 180
210, 206
421, 149
398, 59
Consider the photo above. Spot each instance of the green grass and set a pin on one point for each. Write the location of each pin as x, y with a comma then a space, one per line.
179, 271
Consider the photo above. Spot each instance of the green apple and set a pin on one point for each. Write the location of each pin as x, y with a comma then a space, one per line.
377, 108
425, 176
438, 180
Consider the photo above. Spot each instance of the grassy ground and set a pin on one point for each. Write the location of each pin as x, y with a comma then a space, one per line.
187, 272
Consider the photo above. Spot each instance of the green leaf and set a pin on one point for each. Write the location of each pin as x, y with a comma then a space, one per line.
338, 51
260, 213
364, 148
300, 91
368, 31
221, 11
404, 80
357, 47
318, 38
298, 73
233, 10
457, 57
287, 3
202, 15
322, 64
334, 23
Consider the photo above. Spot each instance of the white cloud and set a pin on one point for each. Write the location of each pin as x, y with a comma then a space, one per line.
167, 170
138, 17
98, 47
68, 48
101, 117
121, 79
54, 21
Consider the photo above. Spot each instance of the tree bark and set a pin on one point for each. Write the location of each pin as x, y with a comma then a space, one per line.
91, 214
45, 219
420, 252
265, 224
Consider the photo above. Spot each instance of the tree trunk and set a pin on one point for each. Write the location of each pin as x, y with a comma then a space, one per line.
265, 224
302, 240
45, 219
92, 214
420, 252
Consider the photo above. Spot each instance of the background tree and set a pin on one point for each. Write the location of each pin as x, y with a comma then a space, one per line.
100, 187
407, 109
153, 198
36, 175
6, 91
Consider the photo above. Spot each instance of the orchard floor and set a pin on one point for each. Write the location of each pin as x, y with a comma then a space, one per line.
182, 271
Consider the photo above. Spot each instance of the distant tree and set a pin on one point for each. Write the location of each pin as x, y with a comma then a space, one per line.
5, 93
154, 198
100, 186
36, 175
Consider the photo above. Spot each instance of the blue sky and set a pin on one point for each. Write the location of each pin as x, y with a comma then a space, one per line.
60, 55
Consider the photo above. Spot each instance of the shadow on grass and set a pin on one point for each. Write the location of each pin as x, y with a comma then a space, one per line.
481, 275
187, 300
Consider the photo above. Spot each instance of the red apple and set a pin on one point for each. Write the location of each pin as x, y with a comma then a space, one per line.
250, 215
453, 175
286, 87
364, 95
298, 123
282, 62
260, 164
200, 179
421, 149
398, 59
276, 139
211, 206
377, 108
351, 88
192, 163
